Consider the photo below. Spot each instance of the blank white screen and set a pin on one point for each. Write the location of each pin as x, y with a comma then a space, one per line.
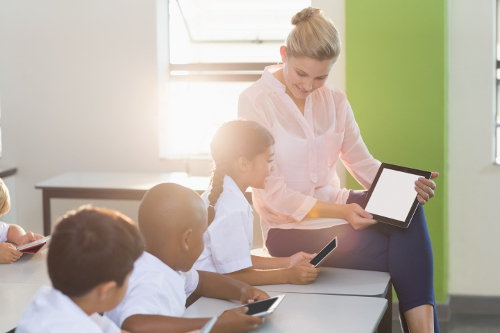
393, 195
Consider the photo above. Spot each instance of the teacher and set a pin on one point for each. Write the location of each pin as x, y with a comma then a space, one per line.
313, 125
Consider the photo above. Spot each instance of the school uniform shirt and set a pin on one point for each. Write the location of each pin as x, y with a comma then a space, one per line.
306, 151
52, 311
155, 289
229, 238
4, 230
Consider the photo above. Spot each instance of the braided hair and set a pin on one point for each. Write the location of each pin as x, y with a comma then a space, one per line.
234, 139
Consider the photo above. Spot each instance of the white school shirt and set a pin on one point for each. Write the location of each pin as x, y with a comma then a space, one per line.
52, 312
155, 289
306, 151
229, 238
4, 230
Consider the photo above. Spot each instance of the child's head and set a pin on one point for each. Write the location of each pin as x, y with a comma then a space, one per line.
91, 248
243, 150
172, 219
4, 198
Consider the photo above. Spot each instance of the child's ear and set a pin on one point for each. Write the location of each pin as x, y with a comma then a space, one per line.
243, 164
186, 238
105, 288
283, 53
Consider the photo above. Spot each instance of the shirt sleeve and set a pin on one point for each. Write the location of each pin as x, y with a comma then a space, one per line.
106, 325
4, 230
192, 279
288, 205
229, 243
354, 153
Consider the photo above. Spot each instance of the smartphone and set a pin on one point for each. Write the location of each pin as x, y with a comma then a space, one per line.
324, 253
265, 307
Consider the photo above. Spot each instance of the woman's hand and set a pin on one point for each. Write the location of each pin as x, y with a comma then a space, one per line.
357, 217
425, 188
299, 257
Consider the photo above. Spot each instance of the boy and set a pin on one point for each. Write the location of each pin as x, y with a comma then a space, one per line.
91, 256
11, 233
172, 220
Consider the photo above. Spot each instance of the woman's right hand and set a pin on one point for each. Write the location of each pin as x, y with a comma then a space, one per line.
357, 217
235, 320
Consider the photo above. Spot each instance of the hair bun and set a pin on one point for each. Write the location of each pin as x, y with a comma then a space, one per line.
305, 14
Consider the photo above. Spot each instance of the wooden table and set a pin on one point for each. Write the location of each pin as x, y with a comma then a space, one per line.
111, 185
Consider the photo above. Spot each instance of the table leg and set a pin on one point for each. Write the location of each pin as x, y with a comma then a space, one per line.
47, 223
385, 325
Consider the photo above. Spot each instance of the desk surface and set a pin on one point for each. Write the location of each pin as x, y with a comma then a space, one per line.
121, 181
338, 281
19, 282
307, 313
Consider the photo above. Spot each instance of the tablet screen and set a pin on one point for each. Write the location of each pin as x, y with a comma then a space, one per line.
394, 195
260, 306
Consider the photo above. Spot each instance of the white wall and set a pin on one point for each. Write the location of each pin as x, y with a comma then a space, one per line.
474, 182
79, 91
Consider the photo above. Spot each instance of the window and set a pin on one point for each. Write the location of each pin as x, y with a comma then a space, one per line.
217, 49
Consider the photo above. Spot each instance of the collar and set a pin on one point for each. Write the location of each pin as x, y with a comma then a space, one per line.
151, 260
230, 185
269, 78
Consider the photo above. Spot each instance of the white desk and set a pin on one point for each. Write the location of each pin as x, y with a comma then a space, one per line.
338, 281
111, 185
19, 282
308, 313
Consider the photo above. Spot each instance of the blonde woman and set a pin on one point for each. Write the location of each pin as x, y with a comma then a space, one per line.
313, 125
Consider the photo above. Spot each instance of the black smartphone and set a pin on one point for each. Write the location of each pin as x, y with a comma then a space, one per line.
323, 253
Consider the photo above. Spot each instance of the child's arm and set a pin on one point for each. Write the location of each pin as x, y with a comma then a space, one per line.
9, 253
281, 262
220, 286
18, 236
233, 320
302, 273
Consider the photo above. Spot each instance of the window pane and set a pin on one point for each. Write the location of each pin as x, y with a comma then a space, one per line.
204, 31
195, 111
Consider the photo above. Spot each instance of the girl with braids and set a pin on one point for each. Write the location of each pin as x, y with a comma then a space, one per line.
313, 125
243, 155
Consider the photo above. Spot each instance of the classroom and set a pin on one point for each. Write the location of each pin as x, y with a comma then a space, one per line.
100, 87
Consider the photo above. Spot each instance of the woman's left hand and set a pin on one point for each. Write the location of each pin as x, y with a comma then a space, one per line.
425, 188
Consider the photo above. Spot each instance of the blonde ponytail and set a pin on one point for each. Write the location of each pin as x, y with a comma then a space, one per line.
313, 36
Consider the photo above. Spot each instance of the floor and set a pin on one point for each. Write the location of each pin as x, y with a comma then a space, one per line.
465, 323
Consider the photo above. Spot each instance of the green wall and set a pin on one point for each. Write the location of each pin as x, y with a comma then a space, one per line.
396, 82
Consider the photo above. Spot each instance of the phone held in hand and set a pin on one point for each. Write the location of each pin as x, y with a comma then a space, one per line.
324, 253
265, 307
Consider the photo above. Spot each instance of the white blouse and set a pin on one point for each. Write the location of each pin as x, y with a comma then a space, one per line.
229, 238
4, 230
307, 149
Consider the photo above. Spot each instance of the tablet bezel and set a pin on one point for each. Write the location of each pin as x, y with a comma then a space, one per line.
327, 254
271, 309
397, 223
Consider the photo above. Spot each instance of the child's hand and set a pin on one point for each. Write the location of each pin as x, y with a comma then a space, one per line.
235, 320
303, 273
250, 294
9, 253
29, 237
300, 257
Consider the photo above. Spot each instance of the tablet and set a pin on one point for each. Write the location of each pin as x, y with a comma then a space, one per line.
265, 307
392, 197
34, 246
324, 253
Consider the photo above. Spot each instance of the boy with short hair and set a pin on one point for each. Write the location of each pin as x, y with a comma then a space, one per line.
91, 256
172, 220
11, 233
